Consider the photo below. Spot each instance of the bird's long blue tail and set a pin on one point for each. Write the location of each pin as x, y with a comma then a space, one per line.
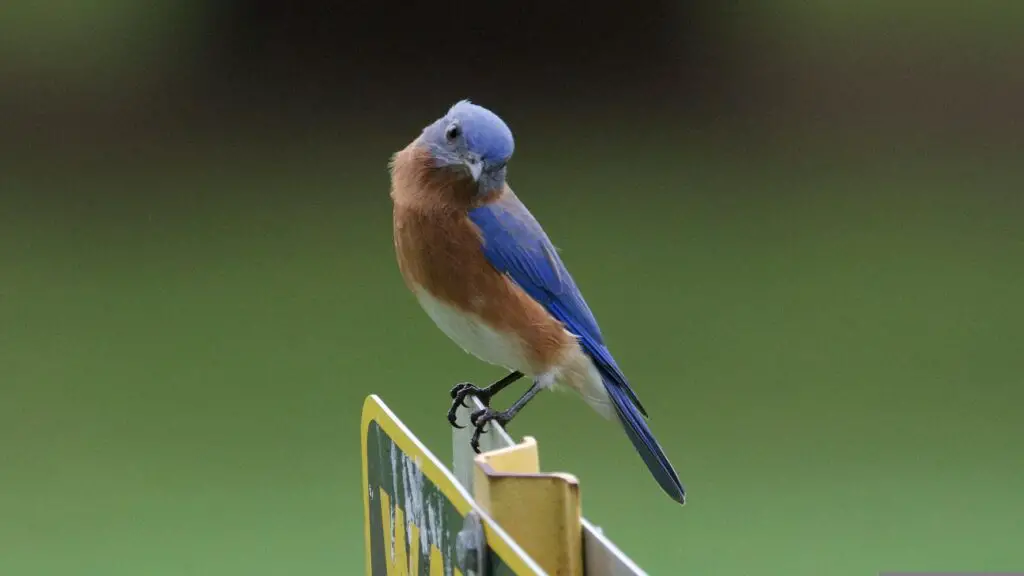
640, 435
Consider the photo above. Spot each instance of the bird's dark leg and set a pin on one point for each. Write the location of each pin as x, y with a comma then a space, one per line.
460, 391
480, 418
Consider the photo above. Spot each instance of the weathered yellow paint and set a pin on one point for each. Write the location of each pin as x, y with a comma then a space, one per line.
395, 557
498, 539
437, 561
540, 511
403, 561
414, 557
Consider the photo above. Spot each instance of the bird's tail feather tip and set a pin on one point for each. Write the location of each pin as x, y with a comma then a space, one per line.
645, 443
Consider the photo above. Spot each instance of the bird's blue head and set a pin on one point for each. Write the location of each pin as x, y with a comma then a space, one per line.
473, 139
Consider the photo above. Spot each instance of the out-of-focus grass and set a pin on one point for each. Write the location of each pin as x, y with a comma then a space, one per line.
829, 351
87, 43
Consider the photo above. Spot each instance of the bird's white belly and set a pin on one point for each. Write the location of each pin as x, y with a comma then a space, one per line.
474, 335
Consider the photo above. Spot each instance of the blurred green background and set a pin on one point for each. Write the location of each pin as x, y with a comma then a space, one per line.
799, 225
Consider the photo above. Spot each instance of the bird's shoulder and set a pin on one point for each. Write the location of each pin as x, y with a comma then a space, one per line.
515, 242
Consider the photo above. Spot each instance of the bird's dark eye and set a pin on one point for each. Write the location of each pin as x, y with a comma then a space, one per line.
452, 132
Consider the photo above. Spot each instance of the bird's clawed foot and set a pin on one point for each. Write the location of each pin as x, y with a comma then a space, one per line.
459, 393
480, 418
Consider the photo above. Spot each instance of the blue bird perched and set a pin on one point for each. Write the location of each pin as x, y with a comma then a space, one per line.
486, 273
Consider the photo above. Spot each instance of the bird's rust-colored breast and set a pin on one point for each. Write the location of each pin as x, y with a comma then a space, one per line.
439, 250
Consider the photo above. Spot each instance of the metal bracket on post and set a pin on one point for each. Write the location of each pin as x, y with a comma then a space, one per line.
540, 511
600, 556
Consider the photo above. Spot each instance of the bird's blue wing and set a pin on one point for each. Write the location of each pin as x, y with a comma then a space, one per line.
515, 244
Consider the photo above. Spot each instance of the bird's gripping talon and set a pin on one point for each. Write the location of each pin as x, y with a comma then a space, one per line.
459, 393
479, 420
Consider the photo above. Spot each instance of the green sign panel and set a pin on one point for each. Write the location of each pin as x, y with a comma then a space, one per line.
418, 519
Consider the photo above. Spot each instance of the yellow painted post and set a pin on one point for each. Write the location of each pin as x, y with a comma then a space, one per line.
541, 512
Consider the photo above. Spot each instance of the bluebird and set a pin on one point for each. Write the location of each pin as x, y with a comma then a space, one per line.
484, 270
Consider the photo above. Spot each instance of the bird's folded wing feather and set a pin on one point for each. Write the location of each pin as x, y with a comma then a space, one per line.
516, 245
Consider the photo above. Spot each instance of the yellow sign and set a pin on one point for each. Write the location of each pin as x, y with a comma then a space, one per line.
418, 520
